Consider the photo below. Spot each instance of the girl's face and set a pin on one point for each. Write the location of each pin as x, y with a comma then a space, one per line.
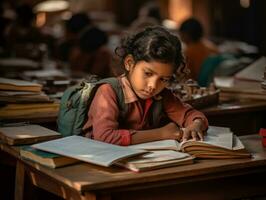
148, 78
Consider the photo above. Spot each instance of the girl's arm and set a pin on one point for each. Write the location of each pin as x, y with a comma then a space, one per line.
194, 122
103, 119
169, 131
102, 123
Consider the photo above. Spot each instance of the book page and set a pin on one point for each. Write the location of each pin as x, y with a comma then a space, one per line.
88, 150
219, 136
253, 72
237, 144
216, 136
159, 156
160, 144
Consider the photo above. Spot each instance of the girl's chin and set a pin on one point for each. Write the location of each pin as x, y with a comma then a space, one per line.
144, 96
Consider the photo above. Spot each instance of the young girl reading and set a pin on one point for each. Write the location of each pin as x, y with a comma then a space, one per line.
152, 58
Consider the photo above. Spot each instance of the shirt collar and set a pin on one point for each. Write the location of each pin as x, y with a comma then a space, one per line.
129, 94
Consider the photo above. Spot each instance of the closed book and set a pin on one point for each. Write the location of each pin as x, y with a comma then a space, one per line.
28, 110
45, 158
19, 85
26, 134
23, 97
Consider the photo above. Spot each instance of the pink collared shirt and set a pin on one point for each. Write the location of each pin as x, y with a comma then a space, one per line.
103, 115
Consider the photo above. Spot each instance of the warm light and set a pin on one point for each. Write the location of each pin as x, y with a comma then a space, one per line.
51, 6
66, 15
170, 24
245, 3
40, 19
179, 10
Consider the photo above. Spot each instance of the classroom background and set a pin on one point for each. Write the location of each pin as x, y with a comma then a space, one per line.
54, 44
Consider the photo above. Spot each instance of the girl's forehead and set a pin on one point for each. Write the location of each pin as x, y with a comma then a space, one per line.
160, 68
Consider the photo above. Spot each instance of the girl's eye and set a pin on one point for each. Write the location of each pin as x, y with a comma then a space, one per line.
165, 80
148, 74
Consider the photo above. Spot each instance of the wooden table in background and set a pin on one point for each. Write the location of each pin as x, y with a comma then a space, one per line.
243, 117
206, 179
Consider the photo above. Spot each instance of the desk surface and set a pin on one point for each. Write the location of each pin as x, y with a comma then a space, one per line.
243, 117
86, 178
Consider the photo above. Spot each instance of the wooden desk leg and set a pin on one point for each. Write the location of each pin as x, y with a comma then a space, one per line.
19, 183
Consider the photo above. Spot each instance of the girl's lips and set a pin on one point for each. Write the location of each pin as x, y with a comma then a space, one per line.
149, 94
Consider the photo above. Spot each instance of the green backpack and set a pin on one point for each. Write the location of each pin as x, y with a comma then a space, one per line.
75, 103
76, 100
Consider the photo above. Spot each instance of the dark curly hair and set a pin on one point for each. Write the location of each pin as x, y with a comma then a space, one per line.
154, 44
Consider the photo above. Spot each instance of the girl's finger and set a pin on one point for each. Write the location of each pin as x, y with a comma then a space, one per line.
194, 135
178, 136
200, 135
186, 135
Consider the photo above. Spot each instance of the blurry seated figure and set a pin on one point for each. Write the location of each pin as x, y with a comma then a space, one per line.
197, 48
91, 55
73, 27
22, 36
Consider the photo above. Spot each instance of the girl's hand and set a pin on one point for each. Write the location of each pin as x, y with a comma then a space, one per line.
193, 131
171, 131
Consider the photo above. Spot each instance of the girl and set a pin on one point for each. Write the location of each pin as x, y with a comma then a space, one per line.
152, 58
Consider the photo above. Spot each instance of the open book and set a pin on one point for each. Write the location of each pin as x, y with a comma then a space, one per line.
88, 150
219, 142
156, 160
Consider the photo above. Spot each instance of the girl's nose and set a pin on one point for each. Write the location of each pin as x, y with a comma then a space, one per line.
152, 85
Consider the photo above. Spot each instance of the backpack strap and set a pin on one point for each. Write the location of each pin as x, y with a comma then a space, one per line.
114, 82
157, 112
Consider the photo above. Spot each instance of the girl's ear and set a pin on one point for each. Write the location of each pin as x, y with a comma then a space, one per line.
129, 62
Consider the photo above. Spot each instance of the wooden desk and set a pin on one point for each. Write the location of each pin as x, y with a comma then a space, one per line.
243, 117
48, 120
206, 179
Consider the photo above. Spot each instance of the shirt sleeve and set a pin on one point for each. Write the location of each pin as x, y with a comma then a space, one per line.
103, 118
181, 113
